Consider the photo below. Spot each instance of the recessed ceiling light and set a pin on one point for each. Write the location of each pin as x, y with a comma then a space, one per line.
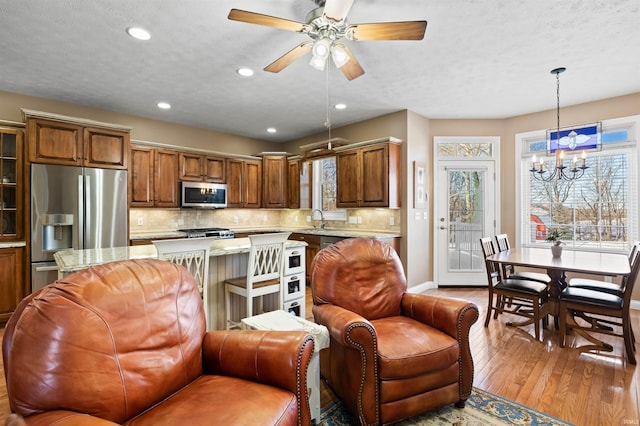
272, 130
139, 33
340, 106
164, 105
245, 72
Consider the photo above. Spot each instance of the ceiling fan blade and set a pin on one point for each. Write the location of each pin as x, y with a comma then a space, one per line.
337, 10
266, 20
285, 60
352, 68
410, 30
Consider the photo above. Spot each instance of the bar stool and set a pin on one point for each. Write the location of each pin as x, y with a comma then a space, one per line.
265, 272
193, 254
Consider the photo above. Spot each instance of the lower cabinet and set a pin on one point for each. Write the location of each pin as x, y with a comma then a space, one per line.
12, 281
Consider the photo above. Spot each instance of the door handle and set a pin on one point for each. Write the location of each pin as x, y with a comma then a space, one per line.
443, 227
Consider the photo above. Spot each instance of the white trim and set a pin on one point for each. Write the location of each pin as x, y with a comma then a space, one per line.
635, 304
420, 288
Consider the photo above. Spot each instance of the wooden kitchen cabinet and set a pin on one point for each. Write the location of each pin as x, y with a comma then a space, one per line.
11, 185
274, 181
369, 176
105, 148
12, 281
244, 183
293, 184
165, 180
202, 168
71, 143
312, 248
153, 178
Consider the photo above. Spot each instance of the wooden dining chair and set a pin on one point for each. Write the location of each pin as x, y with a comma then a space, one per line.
508, 271
527, 298
611, 311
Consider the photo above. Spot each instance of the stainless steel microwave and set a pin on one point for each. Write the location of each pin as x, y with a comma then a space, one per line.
203, 195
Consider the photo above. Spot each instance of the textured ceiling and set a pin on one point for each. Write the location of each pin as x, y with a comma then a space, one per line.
479, 59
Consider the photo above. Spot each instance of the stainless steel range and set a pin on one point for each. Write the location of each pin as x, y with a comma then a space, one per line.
208, 232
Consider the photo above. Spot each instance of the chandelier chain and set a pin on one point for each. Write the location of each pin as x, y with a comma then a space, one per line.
560, 171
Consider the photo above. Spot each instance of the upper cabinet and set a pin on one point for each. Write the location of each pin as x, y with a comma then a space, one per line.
294, 181
244, 183
369, 175
141, 190
11, 184
202, 168
55, 139
274, 181
153, 177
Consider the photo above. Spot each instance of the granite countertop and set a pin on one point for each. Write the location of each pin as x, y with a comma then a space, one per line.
74, 260
344, 233
12, 244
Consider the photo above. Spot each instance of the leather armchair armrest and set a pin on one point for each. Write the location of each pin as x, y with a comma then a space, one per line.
342, 324
443, 313
279, 358
452, 316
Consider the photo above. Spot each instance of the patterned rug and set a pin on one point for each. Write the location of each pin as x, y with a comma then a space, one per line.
482, 409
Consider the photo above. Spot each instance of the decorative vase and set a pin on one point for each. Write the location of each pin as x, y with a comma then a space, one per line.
556, 251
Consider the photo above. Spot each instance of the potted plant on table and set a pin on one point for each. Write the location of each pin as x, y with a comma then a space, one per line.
555, 235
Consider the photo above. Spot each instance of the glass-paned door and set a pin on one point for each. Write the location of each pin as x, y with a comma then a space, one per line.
465, 212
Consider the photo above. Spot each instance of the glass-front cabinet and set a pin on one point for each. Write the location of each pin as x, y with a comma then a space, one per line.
11, 190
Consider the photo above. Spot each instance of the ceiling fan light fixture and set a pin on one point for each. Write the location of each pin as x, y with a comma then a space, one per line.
320, 50
339, 55
318, 62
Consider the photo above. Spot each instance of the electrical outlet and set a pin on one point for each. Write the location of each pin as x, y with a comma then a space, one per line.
359, 220
264, 218
392, 221
235, 219
308, 218
353, 220
140, 221
425, 215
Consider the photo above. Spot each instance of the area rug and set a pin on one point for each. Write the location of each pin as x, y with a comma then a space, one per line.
482, 409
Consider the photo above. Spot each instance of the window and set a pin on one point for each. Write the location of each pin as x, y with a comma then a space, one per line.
598, 211
323, 178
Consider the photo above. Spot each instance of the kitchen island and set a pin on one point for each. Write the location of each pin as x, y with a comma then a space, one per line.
227, 259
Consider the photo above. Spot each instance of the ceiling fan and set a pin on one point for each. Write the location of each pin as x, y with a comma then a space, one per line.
328, 29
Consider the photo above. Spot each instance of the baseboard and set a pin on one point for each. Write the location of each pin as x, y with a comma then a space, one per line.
422, 287
635, 304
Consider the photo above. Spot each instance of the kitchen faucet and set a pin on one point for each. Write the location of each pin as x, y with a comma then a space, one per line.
322, 224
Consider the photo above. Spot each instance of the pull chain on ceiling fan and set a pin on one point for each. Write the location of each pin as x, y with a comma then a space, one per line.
327, 27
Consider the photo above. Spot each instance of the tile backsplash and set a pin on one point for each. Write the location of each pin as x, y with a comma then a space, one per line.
152, 220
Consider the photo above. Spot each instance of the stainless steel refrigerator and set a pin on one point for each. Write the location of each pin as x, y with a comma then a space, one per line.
74, 207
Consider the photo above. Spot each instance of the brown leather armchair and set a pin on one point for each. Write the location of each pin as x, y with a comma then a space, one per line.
393, 354
125, 343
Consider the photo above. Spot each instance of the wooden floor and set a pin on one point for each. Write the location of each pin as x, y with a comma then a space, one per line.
578, 387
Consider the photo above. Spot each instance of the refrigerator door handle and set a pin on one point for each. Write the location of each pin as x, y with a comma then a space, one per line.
88, 225
80, 212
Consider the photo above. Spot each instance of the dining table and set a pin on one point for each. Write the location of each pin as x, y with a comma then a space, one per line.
571, 261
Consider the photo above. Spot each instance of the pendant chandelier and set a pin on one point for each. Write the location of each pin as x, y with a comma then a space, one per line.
560, 171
